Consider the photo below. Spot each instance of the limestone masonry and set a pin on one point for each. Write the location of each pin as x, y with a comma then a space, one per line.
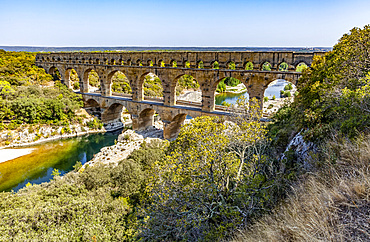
169, 67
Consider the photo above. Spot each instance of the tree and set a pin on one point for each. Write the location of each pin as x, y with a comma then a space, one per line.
211, 181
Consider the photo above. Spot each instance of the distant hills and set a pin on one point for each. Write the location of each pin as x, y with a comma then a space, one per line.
134, 48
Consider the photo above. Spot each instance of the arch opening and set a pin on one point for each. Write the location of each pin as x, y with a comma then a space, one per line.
92, 107
215, 65
188, 89
152, 86
200, 65
276, 94
266, 66
301, 66
248, 66
119, 83
187, 64
283, 66
72, 79
116, 116
91, 80
173, 63
231, 65
54, 72
228, 90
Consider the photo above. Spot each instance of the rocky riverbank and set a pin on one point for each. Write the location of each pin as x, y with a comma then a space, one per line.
127, 142
26, 135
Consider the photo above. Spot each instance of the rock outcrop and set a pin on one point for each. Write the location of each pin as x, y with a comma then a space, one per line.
302, 150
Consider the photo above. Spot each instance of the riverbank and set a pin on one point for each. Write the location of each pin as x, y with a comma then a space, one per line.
10, 154
127, 142
27, 135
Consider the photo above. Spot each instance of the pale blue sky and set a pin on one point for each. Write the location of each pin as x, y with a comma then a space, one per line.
179, 23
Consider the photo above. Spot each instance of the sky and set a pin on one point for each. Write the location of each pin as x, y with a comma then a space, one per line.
284, 23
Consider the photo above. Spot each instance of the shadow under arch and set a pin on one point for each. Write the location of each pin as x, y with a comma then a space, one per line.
173, 128
55, 73
116, 113
145, 119
92, 107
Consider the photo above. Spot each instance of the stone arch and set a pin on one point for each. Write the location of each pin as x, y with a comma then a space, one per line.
161, 63
231, 65
54, 71
227, 97
112, 61
151, 85
266, 66
114, 114
92, 107
129, 62
283, 66
300, 65
139, 62
91, 80
248, 65
145, 119
187, 64
118, 83
72, 79
173, 63
215, 65
200, 64
186, 88
172, 129
97, 61
273, 92
150, 63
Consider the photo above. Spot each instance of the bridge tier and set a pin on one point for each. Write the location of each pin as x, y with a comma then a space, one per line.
169, 67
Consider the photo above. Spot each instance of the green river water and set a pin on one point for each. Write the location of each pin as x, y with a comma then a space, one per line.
37, 166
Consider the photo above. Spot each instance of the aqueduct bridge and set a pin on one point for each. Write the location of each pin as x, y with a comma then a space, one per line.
169, 66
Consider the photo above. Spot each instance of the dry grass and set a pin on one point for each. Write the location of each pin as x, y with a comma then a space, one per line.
332, 204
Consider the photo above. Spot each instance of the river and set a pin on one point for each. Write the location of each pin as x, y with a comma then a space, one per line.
272, 89
38, 166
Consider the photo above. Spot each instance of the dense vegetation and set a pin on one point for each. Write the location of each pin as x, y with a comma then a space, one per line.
24, 101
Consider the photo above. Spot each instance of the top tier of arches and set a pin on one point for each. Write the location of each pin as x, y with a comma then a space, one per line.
177, 59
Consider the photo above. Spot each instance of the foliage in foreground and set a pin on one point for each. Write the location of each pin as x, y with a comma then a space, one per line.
334, 94
214, 179
332, 204
97, 204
